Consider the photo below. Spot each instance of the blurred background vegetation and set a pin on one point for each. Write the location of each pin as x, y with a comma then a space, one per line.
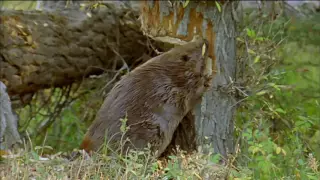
278, 119
278, 123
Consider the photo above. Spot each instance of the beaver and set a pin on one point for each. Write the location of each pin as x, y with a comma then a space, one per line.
154, 98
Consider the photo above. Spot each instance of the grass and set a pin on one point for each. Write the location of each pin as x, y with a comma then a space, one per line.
137, 165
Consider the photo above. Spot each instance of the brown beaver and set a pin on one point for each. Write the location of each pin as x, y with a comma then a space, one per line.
154, 98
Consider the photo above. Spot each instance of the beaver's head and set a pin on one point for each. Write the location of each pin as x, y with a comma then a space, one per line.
194, 55
187, 65
185, 68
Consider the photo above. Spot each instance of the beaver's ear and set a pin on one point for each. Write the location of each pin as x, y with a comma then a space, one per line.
185, 58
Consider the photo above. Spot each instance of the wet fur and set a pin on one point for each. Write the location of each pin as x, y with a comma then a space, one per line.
154, 97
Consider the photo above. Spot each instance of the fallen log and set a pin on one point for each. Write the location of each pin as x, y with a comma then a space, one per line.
42, 49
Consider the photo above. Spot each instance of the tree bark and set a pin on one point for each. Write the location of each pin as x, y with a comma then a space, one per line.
215, 115
42, 49
8, 121
174, 23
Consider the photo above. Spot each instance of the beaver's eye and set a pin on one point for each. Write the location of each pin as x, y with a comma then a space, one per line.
185, 58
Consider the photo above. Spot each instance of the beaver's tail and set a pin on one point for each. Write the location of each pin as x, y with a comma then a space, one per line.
86, 144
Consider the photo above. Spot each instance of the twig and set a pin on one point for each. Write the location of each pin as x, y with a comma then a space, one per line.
57, 109
153, 48
245, 94
238, 102
249, 57
123, 61
113, 79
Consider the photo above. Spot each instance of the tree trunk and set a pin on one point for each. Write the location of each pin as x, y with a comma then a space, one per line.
42, 49
174, 23
215, 114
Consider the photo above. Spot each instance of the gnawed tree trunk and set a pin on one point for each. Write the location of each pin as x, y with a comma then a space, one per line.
174, 23
42, 49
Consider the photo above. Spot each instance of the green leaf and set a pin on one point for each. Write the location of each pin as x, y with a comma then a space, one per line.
260, 38
185, 4
255, 150
35, 155
280, 110
274, 86
256, 59
240, 39
251, 33
218, 6
312, 177
300, 162
250, 51
261, 93
215, 158
284, 152
303, 118
19, 5
155, 166
299, 123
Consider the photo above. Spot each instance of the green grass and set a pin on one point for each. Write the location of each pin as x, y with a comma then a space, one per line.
137, 165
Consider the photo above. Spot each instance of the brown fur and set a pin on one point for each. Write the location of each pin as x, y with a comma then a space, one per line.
154, 97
